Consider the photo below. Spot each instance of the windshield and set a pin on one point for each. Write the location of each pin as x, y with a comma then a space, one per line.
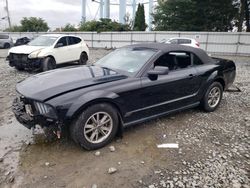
126, 59
43, 41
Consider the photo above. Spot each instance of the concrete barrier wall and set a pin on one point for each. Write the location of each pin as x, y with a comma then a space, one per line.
222, 43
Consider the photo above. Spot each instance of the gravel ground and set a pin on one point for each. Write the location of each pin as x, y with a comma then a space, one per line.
213, 147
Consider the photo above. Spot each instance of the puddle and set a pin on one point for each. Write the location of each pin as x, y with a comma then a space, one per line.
14, 141
12, 137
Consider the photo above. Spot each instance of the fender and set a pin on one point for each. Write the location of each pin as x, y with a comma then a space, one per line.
47, 52
215, 75
92, 96
212, 77
46, 55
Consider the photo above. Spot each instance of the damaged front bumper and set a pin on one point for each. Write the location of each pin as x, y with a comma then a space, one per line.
26, 114
21, 61
18, 107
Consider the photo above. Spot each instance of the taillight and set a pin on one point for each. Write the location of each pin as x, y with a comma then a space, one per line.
197, 44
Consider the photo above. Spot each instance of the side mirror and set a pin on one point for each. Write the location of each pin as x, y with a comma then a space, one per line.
58, 45
158, 70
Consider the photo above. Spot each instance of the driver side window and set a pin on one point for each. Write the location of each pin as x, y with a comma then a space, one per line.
63, 40
174, 60
167, 60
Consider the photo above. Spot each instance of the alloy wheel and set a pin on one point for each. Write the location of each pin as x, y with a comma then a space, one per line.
214, 97
98, 127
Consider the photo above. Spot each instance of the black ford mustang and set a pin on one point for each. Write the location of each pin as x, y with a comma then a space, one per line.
130, 85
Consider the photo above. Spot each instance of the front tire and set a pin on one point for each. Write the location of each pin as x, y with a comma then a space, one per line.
212, 97
48, 64
95, 127
19, 68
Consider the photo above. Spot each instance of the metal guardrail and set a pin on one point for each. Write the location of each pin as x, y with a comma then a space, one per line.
224, 43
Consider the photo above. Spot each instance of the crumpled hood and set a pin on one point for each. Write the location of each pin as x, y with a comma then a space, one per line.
25, 49
53, 83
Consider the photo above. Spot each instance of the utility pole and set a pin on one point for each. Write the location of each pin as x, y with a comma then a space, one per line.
101, 9
122, 11
133, 13
107, 8
150, 11
8, 14
83, 11
134, 9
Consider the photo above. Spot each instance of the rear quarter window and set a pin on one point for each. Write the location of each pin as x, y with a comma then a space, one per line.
196, 60
77, 40
74, 40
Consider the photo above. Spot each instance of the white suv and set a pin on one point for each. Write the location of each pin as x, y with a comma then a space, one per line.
46, 51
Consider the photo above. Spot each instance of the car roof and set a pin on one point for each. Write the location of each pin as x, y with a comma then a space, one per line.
181, 38
165, 48
161, 46
59, 35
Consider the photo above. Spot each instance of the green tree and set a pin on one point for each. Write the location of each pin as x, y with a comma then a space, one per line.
140, 24
247, 14
174, 15
243, 16
68, 27
195, 15
33, 24
104, 24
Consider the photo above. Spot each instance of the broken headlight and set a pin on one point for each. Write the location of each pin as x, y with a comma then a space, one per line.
45, 109
34, 54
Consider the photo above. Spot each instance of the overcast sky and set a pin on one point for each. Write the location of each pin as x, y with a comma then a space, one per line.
56, 12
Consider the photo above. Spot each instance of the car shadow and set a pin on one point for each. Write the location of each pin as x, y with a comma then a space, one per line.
63, 65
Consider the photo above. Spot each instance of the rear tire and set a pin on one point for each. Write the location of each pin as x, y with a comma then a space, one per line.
212, 98
48, 64
83, 58
95, 127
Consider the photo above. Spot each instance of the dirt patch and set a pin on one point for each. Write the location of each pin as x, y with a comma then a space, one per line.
213, 147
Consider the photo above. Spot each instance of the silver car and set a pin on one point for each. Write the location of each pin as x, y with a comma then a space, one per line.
5, 41
183, 41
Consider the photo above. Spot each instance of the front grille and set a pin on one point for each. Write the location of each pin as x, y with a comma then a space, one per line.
18, 57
